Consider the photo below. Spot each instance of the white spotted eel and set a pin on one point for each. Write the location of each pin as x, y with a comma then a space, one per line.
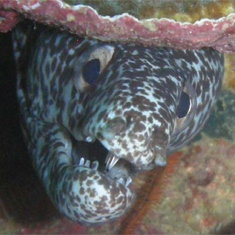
95, 113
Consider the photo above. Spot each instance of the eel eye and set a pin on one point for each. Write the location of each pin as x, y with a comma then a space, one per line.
186, 109
91, 71
183, 106
91, 64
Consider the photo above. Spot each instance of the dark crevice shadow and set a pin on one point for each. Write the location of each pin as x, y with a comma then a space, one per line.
227, 229
22, 197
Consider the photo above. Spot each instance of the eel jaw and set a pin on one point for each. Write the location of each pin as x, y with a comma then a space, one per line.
94, 155
88, 191
119, 169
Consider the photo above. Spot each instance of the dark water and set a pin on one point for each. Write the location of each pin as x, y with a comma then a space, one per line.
21, 193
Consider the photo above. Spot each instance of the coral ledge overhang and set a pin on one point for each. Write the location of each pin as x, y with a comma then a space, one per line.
85, 21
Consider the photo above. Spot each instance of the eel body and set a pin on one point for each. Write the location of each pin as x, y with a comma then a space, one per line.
94, 114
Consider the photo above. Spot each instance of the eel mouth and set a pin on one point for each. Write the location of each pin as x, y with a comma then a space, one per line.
96, 156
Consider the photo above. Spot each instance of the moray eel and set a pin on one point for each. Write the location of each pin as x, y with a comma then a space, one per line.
94, 114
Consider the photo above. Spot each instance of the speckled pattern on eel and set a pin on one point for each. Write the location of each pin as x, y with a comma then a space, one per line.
94, 114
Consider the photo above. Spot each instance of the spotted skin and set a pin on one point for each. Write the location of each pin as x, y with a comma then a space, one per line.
131, 109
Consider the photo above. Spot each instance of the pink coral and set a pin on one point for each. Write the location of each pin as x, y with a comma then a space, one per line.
85, 21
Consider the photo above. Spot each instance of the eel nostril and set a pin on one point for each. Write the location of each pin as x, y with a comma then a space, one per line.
158, 143
160, 159
113, 127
